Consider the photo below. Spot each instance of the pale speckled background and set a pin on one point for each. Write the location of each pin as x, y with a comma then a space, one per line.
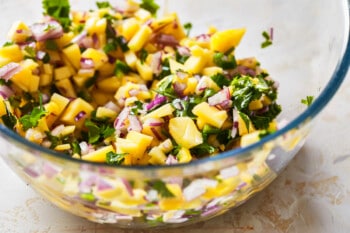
311, 196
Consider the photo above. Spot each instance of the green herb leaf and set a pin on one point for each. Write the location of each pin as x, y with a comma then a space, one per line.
115, 158
267, 41
31, 120
188, 27
150, 6
121, 68
220, 80
30, 52
245, 119
161, 188
104, 4
51, 45
97, 133
203, 149
262, 121
225, 61
9, 119
8, 43
308, 100
143, 55
59, 10
166, 88
75, 148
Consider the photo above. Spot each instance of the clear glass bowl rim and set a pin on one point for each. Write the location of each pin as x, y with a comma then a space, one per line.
313, 110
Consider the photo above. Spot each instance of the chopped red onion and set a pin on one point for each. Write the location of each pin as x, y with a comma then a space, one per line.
120, 120
211, 211
156, 134
79, 115
166, 40
50, 170
203, 37
234, 131
57, 130
103, 185
79, 37
198, 187
183, 51
221, 98
181, 75
158, 100
95, 41
7, 71
5, 91
47, 30
229, 172
32, 171
179, 88
156, 63
243, 70
171, 160
84, 148
134, 124
128, 186
155, 124
134, 92
40, 55
87, 63
112, 106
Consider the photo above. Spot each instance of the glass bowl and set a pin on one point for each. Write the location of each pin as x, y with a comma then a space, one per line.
310, 56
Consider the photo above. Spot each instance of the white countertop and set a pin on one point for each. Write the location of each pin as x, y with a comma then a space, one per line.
311, 196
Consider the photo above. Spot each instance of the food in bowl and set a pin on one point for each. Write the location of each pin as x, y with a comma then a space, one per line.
118, 85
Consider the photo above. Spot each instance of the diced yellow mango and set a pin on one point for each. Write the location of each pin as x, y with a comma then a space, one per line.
103, 112
140, 38
55, 107
210, 71
185, 132
210, 115
74, 108
80, 80
222, 41
110, 84
172, 203
144, 70
184, 155
169, 25
224, 187
250, 138
157, 156
62, 73
2, 106
142, 15
34, 81
176, 66
12, 52
65, 39
195, 64
131, 59
95, 25
24, 78
98, 57
73, 54
129, 28
141, 140
255, 105
19, 32
62, 147
191, 86
4, 61
98, 155
242, 126
101, 97
66, 88
165, 110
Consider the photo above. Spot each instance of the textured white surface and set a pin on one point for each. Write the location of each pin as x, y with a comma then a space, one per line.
311, 196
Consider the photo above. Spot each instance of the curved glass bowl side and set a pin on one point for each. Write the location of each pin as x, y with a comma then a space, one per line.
170, 196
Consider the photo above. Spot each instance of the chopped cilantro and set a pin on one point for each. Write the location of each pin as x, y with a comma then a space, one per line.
220, 80
308, 100
91, 81
8, 43
162, 189
114, 43
203, 149
137, 107
59, 10
51, 45
268, 40
9, 119
75, 148
186, 107
225, 61
165, 69
121, 68
150, 6
101, 5
143, 55
188, 27
166, 88
30, 52
181, 58
262, 121
115, 158
31, 120
97, 133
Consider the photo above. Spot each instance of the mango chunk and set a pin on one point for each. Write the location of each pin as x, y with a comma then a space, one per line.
140, 38
185, 132
76, 112
98, 155
222, 41
210, 115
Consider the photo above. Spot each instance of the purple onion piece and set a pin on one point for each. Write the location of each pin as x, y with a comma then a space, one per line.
7, 71
158, 100
79, 116
47, 30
